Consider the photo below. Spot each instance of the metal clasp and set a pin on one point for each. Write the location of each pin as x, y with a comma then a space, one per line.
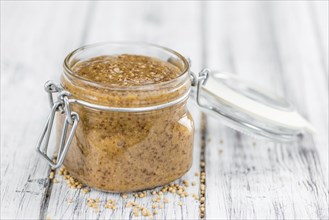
198, 81
62, 105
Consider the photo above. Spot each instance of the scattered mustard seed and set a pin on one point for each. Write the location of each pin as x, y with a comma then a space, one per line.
124, 195
186, 183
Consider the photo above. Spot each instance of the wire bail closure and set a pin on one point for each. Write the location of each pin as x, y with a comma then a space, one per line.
62, 105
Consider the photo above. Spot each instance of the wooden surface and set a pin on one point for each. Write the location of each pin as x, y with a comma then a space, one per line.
282, 46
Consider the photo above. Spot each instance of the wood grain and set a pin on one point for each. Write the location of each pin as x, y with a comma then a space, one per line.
253, 179
29, 33
282, 46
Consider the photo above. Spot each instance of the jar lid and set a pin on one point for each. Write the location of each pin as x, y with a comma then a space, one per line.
248, 108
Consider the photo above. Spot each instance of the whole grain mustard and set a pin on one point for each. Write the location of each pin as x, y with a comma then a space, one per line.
129, 151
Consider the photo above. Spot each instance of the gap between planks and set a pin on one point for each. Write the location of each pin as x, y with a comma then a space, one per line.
202, 178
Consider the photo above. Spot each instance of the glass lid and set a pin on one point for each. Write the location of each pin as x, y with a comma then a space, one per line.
247, 108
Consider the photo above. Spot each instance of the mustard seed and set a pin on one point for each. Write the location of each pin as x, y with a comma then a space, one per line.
186, 183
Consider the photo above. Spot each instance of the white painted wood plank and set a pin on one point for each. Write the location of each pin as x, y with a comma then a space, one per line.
303, 72
163, 23
319, 11
244, 181
34, 40
252, 179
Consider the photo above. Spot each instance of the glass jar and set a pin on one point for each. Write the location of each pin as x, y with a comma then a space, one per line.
127, 138
120, 151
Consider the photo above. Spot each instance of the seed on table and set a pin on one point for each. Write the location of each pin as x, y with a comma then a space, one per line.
145, 213
124, 195
186, 183
85, 190
196, 197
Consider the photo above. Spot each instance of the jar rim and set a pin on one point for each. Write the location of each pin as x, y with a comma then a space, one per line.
69, 73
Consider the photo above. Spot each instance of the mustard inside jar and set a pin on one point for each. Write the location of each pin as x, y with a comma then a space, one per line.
136, 133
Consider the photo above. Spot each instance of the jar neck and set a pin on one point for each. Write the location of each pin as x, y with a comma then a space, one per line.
131, 97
